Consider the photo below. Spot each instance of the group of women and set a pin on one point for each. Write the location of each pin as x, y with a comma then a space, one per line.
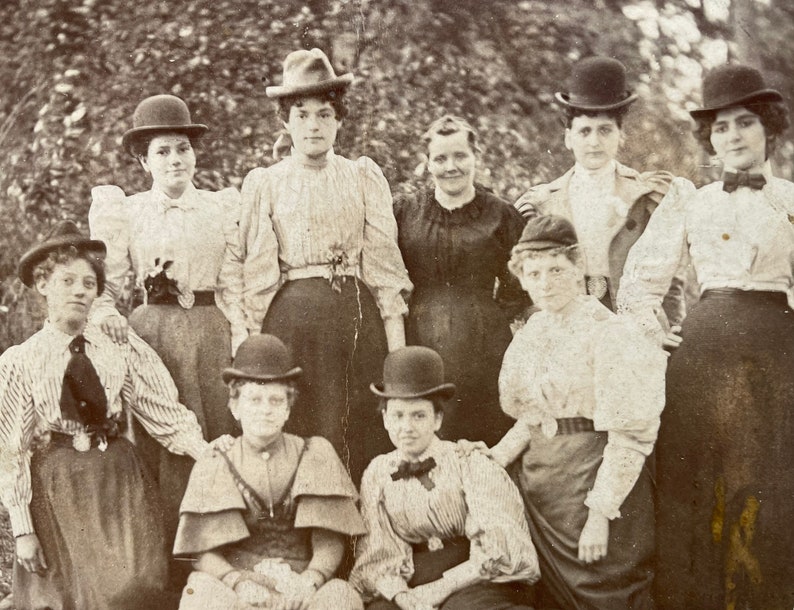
272, 310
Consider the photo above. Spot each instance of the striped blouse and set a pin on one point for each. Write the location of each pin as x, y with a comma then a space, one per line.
472, 497
31, 377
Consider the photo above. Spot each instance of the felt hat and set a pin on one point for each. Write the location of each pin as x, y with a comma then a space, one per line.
545, 233
65, 233
308, 73
597, 83
732, 85
161, 114
413, 372
262, 358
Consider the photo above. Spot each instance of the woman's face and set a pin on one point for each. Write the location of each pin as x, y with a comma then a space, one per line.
412, 424
262, 409
552, 281
739, 138
594, 141
451, 162
312, 125
171, 162
70, 290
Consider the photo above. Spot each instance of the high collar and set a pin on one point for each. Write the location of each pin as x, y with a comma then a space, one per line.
602, 174
302, 159
275, 446
766, 170
431, 451
454, 202
186, 200
58, 339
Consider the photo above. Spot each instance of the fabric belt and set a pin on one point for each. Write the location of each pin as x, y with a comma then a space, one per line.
203, 298
324, 271
572, 425
721, 292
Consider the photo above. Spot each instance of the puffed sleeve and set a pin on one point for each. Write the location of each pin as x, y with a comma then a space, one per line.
151, 394
530, 204
108, 221
500, 542
229, 292
655, 259
17, 420
384, 561
629, 380
382, 267
260, 267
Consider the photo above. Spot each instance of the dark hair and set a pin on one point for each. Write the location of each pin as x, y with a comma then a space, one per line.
774, 117
450, 124
438, 403
335, 97
65, 255
139, 147
616, 114
519, 255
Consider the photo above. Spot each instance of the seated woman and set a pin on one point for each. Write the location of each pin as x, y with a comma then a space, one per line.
445, 530
587, 388
86, 520
268, 520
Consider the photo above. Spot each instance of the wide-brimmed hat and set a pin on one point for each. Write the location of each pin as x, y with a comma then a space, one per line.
732, 85
65, 233
546, 233
413, 372
262, 358
158, 114
597, 83
306, 73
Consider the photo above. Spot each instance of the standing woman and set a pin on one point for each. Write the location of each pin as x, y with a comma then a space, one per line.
455, 239
726, 443
181, 246
322, 268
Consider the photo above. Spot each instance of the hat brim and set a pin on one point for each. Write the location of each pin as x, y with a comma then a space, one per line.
232, 373
194, 130
444, 391
34, 256
764, 95
564, 99
340, 82
539, 246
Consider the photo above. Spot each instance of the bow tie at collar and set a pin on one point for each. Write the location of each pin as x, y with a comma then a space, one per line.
732, 180
185, 202
407, 470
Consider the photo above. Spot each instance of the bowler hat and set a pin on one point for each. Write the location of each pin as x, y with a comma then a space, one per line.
65, 233
159, 114
597, 83
413, 372
307, 73
261, 358
732, 85
545, 233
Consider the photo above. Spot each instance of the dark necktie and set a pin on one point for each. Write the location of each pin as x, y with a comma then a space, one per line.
407, 469
83, 397
733, 180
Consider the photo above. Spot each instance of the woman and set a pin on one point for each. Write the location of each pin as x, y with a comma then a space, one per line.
82, 508
724, 533
322, 268
586, 388
445, 530
180, 244
267, 521
456, 240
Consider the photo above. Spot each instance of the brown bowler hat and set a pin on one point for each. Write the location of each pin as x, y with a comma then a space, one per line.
161, 114
65, 233
307, 73
545, 233
413, 372
732, 85
262, 358
597, 83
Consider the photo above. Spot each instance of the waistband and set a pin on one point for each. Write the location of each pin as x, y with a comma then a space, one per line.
203, 298
772, 295
323, 271
572, 425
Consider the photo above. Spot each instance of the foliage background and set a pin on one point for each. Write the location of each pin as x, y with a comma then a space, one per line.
73, 71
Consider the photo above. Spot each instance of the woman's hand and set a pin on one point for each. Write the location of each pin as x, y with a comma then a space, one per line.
464, 448
408, 600
222, 444
30, 554
253, 594
298, 593
672, 339
594, 538
115, 327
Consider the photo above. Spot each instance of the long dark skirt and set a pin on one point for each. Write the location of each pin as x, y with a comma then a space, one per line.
195, 346
554, 477
99, 524
724, 458
339, 342
471, 333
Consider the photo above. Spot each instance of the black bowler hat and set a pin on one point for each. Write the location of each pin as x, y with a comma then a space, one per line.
161, 114
413, 372
262, 358
733, 85
65, 233
545, 233
597, 83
